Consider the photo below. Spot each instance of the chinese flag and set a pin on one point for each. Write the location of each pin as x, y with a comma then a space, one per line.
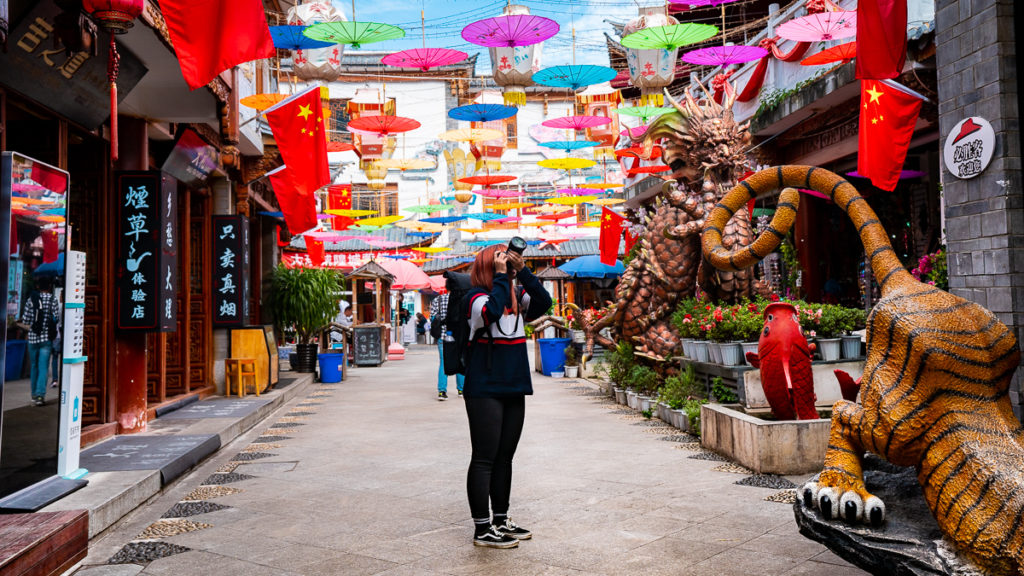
881, 38
630, 241
611, 233
298, 127
299, 209
51, 246
339, 197
887, 119
315, 249
211, 37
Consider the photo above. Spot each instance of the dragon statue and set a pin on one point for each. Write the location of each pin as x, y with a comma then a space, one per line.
934, 394
706, 149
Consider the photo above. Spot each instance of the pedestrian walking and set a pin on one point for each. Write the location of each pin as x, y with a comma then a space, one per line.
498, 379
438, 314
40, 319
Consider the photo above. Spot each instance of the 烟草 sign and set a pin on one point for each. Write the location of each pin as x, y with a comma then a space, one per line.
230, 271
969, 147
147, 279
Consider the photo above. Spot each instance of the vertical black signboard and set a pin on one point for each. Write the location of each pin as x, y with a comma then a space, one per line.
230, 271
146, 252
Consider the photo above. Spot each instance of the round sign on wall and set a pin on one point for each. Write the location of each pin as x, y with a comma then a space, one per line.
969, 147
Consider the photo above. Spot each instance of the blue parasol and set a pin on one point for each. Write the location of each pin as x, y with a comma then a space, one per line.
569, 145
575, 77
420, 234
291, 38
484, 216
55, 268
485, 242
443, 219
591, 267
271, 214
482, 112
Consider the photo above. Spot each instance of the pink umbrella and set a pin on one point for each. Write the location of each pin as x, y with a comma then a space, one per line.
820, 27
508, 220
497, 193
438, 284
383, 243
408, 276
678, 6
575, 191
577, 122
724, 55
512, 30
363, 238
22, 187
424, 58
327, 236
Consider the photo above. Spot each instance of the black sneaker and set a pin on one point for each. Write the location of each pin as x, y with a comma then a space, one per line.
39, 402
494, 539
460, 393
509, 528
442, 395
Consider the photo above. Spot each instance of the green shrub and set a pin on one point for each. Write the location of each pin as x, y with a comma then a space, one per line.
722, 393
676, 390
620, 363
643, 379
692, 409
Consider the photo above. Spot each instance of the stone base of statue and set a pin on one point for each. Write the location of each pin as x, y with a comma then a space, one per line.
909, 543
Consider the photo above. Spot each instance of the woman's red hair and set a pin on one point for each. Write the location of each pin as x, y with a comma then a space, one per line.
482, 274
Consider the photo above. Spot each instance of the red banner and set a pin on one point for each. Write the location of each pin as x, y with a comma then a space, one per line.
341, 260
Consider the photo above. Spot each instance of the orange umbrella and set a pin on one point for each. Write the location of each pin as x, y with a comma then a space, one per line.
843, 52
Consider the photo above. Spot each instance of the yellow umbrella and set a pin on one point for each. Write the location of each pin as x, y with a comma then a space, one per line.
418, 260
606, 201
379, 221
349, 213
600, 185
566, 163
404, 164
471, 135
432, 249
536, 224
572, 200
510, 206
418, 226
594, 224
472, 230
549, 209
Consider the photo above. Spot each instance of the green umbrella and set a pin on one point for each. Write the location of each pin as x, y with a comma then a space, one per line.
428, 208
665, 37
644, 112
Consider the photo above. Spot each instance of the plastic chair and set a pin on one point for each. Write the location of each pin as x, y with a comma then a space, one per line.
240, 369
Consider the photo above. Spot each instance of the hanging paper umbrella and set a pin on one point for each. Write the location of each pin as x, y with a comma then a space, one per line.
487, 179
507, 220
382, 125
340, 147
594, 224
370, 227
724, 55
26, 187
511, 205
404, 164
606, 201
669, 37
498, 193
577, 122
645, 113
841, 53
566, 163
383, 243
692, 3
569, 145
489, 242
261, 101
558, 215
648, 169
424, 58
484, 216
29, 201
292, 38
276, 214
349, 213
378, 221
581, 191
601, 185
443, 219
548, 209
820, 27
364, 237
574, 77
637, 152
472, 230
431, 249
512, 30
397, 256
572, 200
482, 112
421, 234
428, 208
904, 174
471, 135
50, 218
354, 33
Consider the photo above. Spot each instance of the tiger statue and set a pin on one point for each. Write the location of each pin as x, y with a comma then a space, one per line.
934, 394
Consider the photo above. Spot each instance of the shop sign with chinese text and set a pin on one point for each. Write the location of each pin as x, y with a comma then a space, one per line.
230, 271
969, 147
147, 252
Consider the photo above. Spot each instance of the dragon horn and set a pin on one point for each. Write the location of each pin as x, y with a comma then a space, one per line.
674, 103
709, 97
730, 96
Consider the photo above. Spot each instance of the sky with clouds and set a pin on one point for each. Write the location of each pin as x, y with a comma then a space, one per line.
446, 18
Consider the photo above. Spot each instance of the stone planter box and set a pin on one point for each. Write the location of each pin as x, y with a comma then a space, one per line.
631, 399
664, 413
680, 420
764, 446
620, 395
643, 403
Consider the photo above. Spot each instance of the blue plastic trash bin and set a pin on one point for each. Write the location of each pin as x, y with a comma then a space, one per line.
330, 367
552, 354
15, 359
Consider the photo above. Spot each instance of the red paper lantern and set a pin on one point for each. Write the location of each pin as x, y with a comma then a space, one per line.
114, 16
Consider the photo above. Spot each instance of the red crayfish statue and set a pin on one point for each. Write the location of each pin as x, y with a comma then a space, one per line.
784, 358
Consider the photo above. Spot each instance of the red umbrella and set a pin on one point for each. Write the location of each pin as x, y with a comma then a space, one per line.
647, 169
843, 52
339, 147
557, 215
408, 276
424, 58
384, 125
487, 179
497, 193
577, 122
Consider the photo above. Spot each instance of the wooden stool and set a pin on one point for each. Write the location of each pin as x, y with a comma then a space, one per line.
240, 368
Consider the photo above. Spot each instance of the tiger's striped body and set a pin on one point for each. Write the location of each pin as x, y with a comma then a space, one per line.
934, 393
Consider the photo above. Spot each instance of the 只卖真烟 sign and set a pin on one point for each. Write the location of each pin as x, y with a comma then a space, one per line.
230, 271
147, 252
969, 147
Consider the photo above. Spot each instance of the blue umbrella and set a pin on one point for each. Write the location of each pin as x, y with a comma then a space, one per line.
55, 268
291, 38
591, 267
443, 219
272, 214
482, 112
485, 242
464, 260
397, 256
574, 77
484, 216
420, 234
569, 145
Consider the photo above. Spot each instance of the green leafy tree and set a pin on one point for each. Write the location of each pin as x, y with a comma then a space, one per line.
305, 299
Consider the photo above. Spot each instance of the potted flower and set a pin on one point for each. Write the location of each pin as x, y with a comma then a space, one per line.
304, 300
749, 323
572, 362
852, 319
830, 322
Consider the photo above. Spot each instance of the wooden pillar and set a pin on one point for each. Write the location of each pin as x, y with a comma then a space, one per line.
130, 347
355, 309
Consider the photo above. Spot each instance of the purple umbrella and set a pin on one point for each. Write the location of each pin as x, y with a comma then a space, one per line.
724, 55
677, 6
513, 30
904, 174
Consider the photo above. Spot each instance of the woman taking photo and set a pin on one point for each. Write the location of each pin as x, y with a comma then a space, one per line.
498, 379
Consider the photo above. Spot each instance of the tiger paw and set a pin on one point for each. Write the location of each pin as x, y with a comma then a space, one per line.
852, 505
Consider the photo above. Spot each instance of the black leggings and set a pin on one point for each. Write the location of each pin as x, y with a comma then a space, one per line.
495, 425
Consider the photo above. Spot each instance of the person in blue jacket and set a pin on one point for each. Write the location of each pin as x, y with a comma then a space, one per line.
498, 378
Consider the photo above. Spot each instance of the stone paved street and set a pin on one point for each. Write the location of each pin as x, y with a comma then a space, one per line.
368, 477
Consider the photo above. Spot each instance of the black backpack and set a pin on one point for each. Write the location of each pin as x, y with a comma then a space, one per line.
456, 321
43, 323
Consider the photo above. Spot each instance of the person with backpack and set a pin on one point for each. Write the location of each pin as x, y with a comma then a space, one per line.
498, 379
438, 314
40, 319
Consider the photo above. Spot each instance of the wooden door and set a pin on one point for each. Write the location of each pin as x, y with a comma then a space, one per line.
198, 301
